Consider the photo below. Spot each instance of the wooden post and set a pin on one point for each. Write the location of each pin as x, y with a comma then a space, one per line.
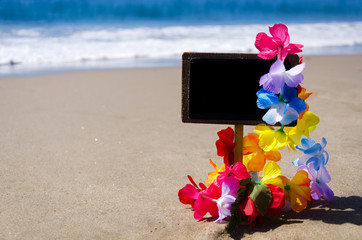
238, 150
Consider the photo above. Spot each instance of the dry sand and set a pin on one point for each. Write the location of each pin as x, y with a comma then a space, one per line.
102, 155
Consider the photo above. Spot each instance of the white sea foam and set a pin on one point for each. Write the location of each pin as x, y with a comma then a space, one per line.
59, 45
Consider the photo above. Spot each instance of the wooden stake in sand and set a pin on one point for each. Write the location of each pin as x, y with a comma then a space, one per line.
238, 150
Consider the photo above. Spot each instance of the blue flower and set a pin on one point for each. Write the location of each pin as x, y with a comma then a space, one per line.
314, 153
284, 109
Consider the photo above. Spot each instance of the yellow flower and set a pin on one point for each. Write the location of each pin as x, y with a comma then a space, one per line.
271, 139
254, 157
305, 125
271, 174
297, 191
213, 175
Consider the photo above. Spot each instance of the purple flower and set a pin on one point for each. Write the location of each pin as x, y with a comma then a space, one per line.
229, 194
284, 109
318, 184
314, 153
277, 77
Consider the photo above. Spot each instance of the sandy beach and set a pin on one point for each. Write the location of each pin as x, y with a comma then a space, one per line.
102, 155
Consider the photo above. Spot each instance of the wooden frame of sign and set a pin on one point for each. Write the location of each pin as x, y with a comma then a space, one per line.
220, 88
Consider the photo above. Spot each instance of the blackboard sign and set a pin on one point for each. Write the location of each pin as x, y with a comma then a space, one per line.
221, 88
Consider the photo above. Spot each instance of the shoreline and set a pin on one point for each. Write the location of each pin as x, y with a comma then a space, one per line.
102, 154
10, 71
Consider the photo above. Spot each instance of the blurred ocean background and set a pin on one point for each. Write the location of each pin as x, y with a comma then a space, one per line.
45, 36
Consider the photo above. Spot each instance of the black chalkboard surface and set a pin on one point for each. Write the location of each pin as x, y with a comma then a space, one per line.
221, 88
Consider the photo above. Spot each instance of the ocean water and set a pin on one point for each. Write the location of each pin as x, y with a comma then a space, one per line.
43, 36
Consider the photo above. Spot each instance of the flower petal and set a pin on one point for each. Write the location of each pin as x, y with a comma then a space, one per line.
274, 114
306, 143
275, 79
278, 200
267, 140
266, 99
323, 175
256, 162
296, 70
326, 157
308, 123
271, 174
230, 186
272, 82
298, 104
280, 31
301, 160
295, 48
297, 203
273, 156
264, 43
324, 143
271, 170
315, 161
300, 178
290, 115
267, 54
314, 191
327, 193
293, 81
277, 67
251, 143
315, 149
261, 127
190, 191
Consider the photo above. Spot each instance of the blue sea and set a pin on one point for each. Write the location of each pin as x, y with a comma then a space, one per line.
46, 36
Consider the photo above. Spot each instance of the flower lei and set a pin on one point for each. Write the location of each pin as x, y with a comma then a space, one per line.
255, 189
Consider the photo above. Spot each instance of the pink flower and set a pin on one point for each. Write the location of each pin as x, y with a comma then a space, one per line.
201, 199
186, 194
278, 44
237, 170
205, 204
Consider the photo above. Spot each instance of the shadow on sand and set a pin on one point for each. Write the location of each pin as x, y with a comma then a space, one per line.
341, 210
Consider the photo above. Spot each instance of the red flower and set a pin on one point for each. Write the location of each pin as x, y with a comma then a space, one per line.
200, 198
277, 202
249, 211
225, 145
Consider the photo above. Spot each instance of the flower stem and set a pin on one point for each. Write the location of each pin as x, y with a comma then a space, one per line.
208, 198
281, 129
281, 96
279, 55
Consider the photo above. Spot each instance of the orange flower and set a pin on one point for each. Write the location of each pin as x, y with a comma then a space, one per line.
303, 95
254, 157
297, 191
213, 175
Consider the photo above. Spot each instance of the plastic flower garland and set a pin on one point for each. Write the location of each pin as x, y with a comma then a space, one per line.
255, 189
